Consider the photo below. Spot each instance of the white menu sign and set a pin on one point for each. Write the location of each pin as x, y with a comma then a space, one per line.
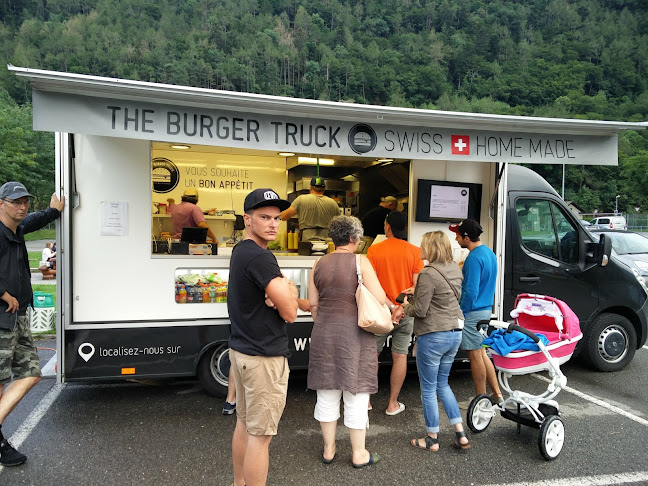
114, 218
449, 202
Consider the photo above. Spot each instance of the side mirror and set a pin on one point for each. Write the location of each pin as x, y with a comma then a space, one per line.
599, 253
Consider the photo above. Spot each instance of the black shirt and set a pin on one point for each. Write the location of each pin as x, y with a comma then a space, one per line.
15, 276
257, 330
373, 222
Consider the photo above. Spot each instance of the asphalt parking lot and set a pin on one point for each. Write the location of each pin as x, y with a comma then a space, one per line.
172, 433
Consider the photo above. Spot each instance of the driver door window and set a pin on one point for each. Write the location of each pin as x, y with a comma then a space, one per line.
544, 229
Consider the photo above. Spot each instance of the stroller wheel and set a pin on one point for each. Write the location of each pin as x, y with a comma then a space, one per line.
552, 437
480, 413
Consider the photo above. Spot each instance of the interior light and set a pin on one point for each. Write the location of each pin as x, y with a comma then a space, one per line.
286, 154
180, 147
384, 160
313, 161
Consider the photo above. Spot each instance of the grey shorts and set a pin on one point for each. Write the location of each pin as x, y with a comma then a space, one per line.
471, 339
401, 337
18, 355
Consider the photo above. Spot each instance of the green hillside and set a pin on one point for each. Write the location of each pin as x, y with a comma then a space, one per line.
558, 58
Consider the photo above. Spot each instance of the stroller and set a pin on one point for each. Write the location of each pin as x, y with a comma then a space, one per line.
533, 314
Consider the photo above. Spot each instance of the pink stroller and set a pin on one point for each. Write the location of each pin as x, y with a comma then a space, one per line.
534, 315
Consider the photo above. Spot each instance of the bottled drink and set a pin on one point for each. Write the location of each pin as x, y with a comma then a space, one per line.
205, 293
212, 293
182, 295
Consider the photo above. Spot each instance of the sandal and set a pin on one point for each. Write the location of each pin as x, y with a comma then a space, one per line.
457, 442
374, 458
429, 443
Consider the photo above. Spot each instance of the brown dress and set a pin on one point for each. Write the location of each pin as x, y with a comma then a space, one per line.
342, 356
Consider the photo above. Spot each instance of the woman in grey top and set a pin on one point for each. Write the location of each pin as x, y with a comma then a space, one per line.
437, 325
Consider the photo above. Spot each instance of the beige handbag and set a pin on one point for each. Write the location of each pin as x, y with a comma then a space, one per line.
373, 316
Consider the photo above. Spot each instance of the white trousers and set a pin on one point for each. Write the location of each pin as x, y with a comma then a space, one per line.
327, 408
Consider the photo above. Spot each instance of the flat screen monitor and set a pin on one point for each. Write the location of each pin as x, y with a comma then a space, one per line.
447, 202
194, 235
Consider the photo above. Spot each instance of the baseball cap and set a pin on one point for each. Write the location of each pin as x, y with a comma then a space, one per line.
389, 200
190, 192
398, 223
264, 197
468, 227
318, 181
13, 190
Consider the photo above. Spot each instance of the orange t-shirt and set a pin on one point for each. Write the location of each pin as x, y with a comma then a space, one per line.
395, 262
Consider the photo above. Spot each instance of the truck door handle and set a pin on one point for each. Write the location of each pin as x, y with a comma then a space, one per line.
529, 279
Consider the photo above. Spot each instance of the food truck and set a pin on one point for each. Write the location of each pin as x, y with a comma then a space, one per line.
135, 302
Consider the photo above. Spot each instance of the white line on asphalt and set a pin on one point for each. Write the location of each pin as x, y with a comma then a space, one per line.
644, 347
604, 480
34, 417
49, 369
597, 401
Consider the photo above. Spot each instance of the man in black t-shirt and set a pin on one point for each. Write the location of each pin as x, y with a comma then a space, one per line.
260, 302
373, 223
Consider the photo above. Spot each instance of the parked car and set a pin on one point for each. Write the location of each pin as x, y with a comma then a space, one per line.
609, 222
631, 248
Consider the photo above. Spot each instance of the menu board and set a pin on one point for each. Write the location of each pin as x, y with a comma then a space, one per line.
449, 202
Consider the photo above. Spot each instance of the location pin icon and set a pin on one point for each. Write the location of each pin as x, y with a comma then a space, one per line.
88, 353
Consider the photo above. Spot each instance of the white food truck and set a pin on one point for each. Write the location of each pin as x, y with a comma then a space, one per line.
134, 302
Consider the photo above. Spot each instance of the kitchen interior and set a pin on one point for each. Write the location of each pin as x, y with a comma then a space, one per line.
224, 176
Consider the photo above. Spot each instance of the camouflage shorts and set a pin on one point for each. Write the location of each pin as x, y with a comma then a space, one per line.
18, 356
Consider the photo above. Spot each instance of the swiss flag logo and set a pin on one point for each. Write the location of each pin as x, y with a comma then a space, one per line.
460, 144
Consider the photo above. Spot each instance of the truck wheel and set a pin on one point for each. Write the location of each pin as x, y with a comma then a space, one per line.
610, 342
213, 370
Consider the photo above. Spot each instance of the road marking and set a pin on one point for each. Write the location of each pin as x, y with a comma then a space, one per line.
604, 480
34, 417
597, 401
49, 370
644, 347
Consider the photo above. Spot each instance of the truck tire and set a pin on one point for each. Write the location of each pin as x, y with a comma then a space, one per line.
213, 370
610, 342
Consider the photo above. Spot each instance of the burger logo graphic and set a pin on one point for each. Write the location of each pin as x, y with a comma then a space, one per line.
362, 139
164, 175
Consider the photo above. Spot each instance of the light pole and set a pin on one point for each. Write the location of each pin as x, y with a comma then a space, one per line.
616, 205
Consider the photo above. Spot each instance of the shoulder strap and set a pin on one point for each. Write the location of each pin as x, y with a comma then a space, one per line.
448, 282
358, 270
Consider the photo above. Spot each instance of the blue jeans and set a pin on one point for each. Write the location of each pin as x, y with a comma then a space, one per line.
434, 356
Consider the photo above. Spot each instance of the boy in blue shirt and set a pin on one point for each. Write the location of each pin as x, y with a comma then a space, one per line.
477, 294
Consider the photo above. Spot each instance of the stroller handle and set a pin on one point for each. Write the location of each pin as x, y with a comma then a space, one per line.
509, 326
515, 327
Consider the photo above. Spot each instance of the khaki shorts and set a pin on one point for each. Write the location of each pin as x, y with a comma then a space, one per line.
18, 355
261, 387
401, 337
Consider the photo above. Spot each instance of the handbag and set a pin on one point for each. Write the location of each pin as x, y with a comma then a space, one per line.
460, 322
373, 316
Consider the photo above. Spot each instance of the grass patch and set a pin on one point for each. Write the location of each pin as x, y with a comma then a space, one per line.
34, 258
43, 234
49, 289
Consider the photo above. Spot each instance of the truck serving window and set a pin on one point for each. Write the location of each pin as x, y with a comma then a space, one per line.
544, 229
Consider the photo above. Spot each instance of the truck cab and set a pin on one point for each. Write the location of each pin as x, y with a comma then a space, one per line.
549, 252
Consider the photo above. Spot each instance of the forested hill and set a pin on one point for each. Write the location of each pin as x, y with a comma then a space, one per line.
557, 58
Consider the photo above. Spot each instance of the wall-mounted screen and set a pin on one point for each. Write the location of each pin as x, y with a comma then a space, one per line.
446, 201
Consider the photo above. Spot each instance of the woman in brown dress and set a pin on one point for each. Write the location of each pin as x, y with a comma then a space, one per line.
343, 360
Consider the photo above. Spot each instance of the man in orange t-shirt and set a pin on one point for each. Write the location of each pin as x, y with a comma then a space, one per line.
397, 264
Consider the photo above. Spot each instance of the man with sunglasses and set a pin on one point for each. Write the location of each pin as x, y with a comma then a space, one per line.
19, 363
